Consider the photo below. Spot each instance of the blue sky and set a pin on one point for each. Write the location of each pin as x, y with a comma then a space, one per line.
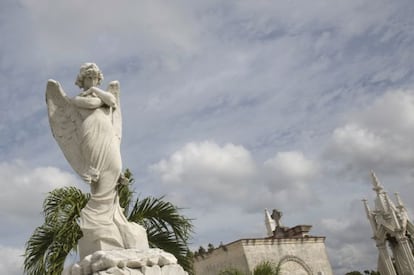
229, 107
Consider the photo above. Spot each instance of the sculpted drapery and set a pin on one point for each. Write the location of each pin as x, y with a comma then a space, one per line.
88, 129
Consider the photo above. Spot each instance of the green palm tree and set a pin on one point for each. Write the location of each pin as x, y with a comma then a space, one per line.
50, 243
263, 268
231, 271
267, 268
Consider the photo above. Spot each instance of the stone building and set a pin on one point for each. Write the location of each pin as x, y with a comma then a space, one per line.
393, 233
292, 248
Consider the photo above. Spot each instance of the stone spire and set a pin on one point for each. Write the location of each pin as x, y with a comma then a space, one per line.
370, 215
375, 182
380, 201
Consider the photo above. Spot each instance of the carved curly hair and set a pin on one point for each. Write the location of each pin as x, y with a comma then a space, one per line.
88, 69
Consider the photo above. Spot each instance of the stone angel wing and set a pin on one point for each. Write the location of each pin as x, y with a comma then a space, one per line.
114, 88
66, 122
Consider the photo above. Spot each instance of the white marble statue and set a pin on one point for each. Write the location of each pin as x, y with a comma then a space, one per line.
88, 130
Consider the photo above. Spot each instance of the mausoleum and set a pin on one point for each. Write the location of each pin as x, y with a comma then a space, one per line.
292, 248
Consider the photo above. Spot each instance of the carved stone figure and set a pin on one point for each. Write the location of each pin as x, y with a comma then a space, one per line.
88, 129
277, 216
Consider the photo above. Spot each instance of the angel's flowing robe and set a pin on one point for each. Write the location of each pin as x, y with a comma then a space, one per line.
102, 221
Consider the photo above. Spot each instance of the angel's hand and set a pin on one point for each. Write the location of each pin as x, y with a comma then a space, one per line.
87, 102
105, 96
86, 93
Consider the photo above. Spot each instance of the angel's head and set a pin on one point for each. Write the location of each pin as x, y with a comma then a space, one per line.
89, 75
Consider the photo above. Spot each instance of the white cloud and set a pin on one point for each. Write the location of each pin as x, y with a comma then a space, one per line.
218, 175
198, 160
64, 30
349, 244
378, 137
23, 190
290, 176
11, 260
291, 167
29, 186
390, 113
354, 141
216, 172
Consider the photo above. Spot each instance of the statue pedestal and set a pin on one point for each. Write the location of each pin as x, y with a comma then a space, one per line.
117, 236
152, 261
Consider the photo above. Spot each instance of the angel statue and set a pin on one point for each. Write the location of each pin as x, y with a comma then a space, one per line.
88, 130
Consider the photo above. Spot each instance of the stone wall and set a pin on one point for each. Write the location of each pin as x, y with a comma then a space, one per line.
296, 255
229, 256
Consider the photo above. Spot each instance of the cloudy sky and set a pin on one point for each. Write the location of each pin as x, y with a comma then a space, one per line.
229, 107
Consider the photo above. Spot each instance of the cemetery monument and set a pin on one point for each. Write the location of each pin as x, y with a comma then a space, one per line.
88, 129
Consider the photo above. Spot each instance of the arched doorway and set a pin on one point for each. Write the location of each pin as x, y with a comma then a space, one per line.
294, 265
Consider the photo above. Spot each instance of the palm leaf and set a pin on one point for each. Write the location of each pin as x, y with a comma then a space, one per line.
50, 243
36, 247
166, 228
231, 271
161, 214
125, 193
167, 241
267, 268
64, 204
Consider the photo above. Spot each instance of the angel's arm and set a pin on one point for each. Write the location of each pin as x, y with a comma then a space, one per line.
107, 98
87, 102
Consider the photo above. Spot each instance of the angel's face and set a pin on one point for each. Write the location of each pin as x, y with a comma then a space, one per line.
90, 81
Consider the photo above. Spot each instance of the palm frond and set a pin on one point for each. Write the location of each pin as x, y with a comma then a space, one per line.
231, 271
125, 193
167, 241
63, 204
156, 212
66, 240
50, 243
36, 247
166, 228
267, 268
